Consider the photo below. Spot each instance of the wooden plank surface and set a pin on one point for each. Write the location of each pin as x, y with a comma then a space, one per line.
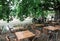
39, 24
51, 28
24, 34
57, 26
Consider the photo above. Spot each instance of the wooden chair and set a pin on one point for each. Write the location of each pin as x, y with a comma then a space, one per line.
7, 38
2, 38
37, 35
10, 38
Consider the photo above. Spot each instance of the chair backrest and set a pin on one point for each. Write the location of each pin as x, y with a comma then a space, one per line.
7, 38
45, 31
10, 37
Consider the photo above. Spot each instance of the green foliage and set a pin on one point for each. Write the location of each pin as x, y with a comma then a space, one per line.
27, 7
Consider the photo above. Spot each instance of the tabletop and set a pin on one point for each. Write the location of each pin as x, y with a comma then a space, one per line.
39, 24
57, 26
18, 28
24, 34
51, 28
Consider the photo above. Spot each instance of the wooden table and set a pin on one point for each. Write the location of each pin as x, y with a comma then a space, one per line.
57, 26
33, 26
39, 24
52, 28
24, 34
18, 28
49, 28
